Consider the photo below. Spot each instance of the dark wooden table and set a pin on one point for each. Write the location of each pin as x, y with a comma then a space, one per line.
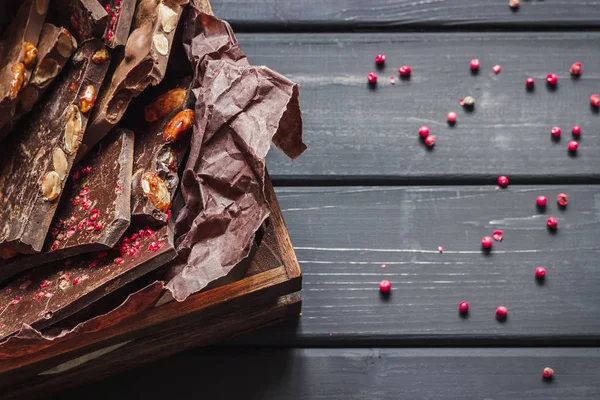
368, 193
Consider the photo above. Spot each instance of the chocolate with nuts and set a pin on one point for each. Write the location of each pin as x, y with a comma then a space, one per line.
159, 150
31, 180
18, 55
144, 62
85, 18
54, 49
54, 291
94, 210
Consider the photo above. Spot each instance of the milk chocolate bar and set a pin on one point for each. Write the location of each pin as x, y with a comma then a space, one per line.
36, 160
94, 210
54, 291
54, 49
159, 151
143, 62
19, 54
120, 14
85, 18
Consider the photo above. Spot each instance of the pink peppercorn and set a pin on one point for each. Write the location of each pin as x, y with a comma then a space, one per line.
552, 223
576, 131
540, 273
541, 201
380, 59
405, 71
474, 64
562, 199
595, 100
430, 141
552, 79
530, 83
555, 131
572, 146
486, 242
423, 132
501, 313
463, 307
548, 374
385, 286
503, 181
497, 69
576, 69
451, 117
372, 78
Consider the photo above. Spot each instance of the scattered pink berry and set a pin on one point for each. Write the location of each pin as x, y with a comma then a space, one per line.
474, 64
498, 235
576, 131
385, 286
451, 117
552, 79
380, 59
85, 170
530, 83
486, 242
372, 78
463, 307
548, 373
555, 131
572, 146
541, 201
154, 246
514, 4
119, 260
430, 141
576, 69
501, 313
15, 301
423, 132
392, 80
440, 249
503, 181
552, 223
405, 70
595, 100
562, 199
540, 273
131, 251
497, 69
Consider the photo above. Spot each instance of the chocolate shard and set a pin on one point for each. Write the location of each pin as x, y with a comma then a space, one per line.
85, 18
143, 62
54, 291
160, 147
54, 49
18, 55
94, 210
36, 160
120, 13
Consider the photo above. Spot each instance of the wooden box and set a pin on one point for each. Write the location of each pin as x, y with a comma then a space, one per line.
266, 292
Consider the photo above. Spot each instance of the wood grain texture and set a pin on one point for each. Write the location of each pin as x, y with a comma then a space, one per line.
322, 15
353, 132
351, 374
342, 236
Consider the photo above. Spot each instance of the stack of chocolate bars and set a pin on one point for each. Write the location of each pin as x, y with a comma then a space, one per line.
132, 142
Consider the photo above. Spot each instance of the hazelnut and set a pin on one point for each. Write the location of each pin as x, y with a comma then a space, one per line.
161, 43
164, 104
87, 99
100, 57
178, 125
51, 186
29, 54
65, 44
155, 189
73, 130
45, 71
61, 165
18, 71
167, 18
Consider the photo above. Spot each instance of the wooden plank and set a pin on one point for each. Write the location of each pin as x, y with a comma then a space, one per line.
342, 236
350, 374
397, 14
356, 134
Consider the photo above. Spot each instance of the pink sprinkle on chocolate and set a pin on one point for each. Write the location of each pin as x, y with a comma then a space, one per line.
137, 244
118, 189
498, 235
76, 175
154, 246
85, 170
135, 235
75, 281
38, 296
148, 232
497, 69
131, 251
84, 191
15, 301
49, 294
98, 226
119, 260
101, 255
94, 264
45, 283
55, 245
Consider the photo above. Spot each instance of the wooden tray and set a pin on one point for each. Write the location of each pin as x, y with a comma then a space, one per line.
266, 293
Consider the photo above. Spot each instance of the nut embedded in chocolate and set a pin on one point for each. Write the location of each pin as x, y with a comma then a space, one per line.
51, 186
164, 104
29, 54
60, 163
88, 99
100, 57
178, 125
155, 189
73, 130
18, 74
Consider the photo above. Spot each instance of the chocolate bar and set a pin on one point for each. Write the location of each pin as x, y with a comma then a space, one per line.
54, 291
144, 62
55, 47
120, 14
94, 210
158, 152
19, 54
85, 18
35, 162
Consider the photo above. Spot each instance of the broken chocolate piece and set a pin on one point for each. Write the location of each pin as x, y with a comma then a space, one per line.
55, 47
120, 13
28, 201
144, 62
94, 211
57, 290
18, 55
85, 18
157, 158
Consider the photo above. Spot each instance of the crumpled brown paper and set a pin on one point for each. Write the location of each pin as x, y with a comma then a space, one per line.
240, 109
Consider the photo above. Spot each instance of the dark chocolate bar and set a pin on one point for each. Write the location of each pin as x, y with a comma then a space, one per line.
54, 291
158, 152
54, 49
94, 210
19, 54
35, 162
144, 62
120, 13
85, 18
